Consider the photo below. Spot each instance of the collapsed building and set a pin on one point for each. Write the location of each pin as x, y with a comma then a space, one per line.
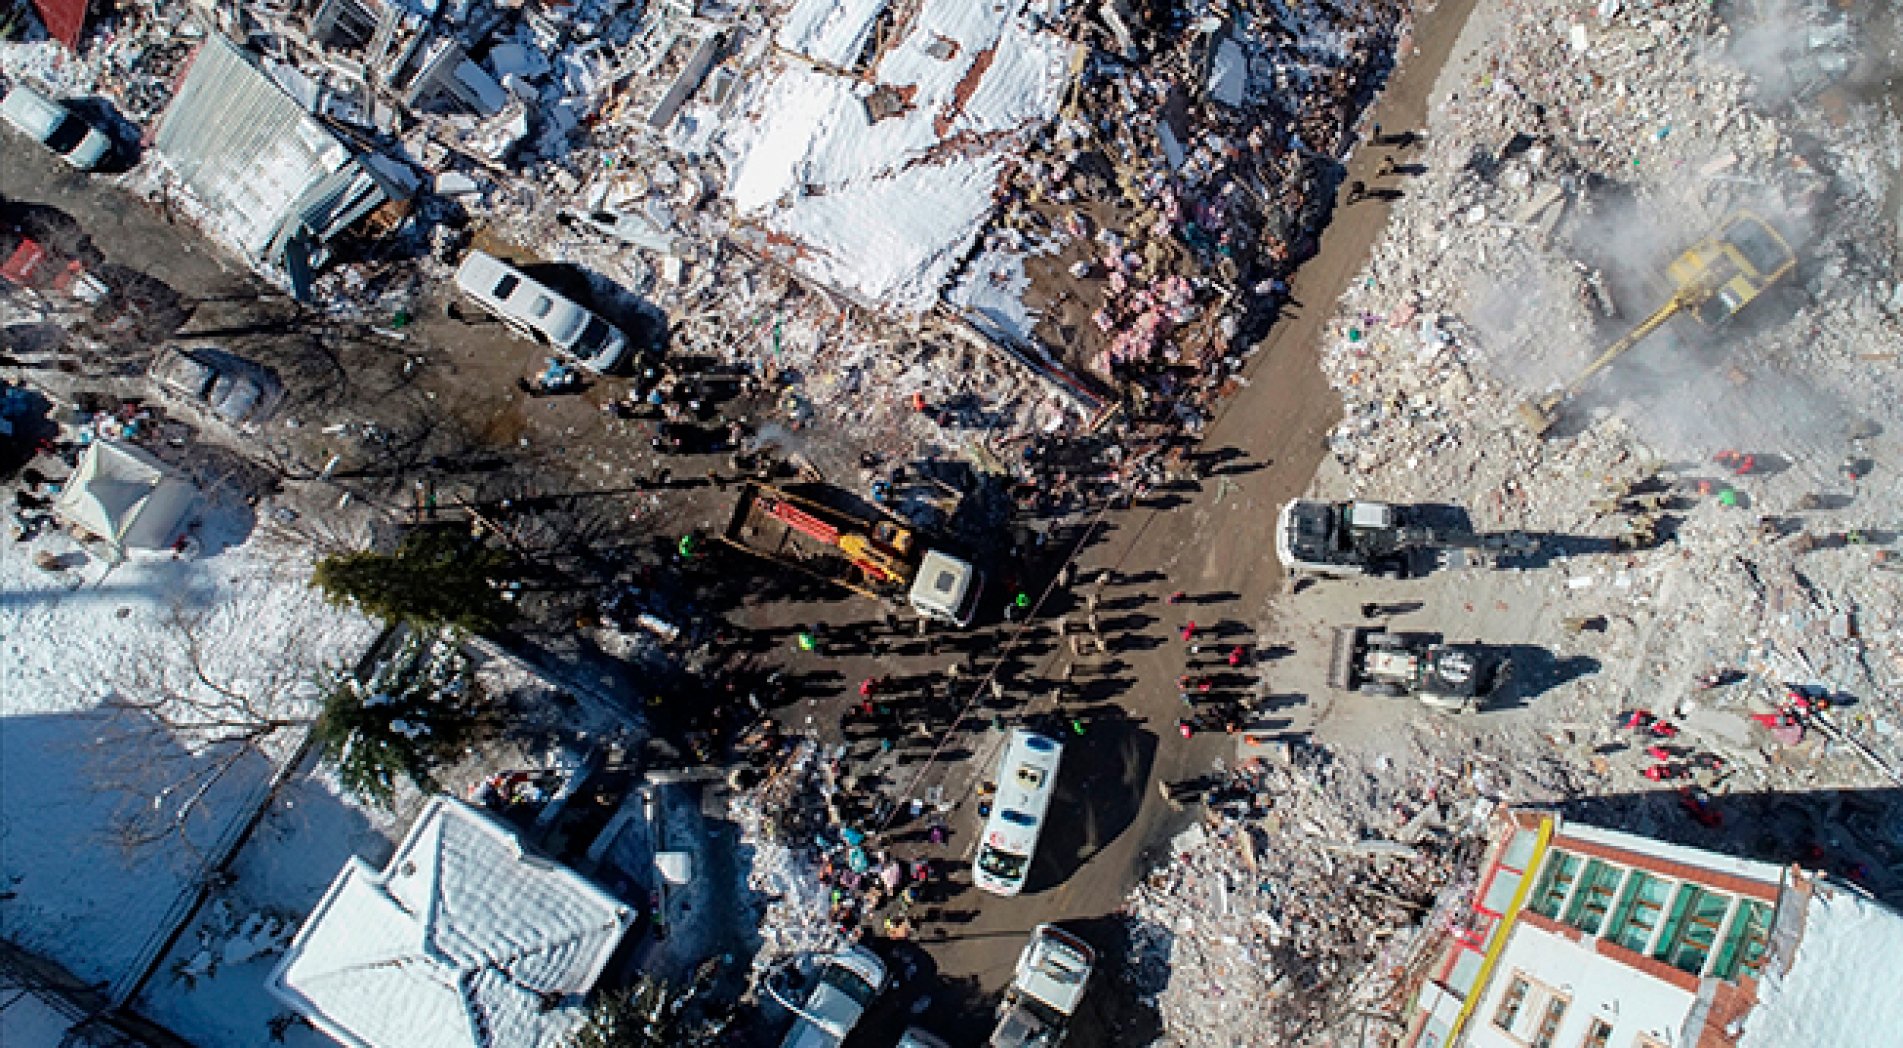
271, 179
1097, 191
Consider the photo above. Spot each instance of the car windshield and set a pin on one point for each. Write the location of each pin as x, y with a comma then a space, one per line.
506, 286
1002, 864
67, 136
843, 979
234, 396
593, 337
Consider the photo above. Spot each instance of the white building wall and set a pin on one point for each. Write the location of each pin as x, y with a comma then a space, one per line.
1631, 1001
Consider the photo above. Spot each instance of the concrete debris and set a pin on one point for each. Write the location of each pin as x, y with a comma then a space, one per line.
1429, 417
1302, 894
778, 822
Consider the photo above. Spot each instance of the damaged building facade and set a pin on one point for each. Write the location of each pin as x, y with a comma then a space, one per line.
272, 179
1578, 935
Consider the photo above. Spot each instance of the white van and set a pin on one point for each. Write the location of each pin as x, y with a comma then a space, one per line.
540, 313
54, 126
1027, 777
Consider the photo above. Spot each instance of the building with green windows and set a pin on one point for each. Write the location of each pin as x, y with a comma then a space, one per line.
1581, 937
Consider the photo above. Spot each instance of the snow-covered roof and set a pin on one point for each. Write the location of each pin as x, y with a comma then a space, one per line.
884, 208
463, 940
1840, 988
125, 496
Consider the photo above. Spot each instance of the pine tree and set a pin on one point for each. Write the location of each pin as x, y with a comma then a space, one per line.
438, 576
413, 711
640, 1016
649, 1014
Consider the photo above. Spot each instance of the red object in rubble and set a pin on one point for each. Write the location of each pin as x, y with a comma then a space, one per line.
25, 262
1638, 719
799, 519
1658, 772
1658, 753
1664, 730
64, 19
1699, 809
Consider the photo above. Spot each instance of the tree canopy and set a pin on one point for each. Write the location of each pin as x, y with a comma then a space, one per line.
438, 576
415, 710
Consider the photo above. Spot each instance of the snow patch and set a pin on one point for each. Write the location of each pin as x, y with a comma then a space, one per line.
1841, 958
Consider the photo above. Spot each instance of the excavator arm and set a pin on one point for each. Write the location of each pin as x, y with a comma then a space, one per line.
1539, 415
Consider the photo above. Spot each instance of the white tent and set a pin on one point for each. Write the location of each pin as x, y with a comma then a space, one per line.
125, 496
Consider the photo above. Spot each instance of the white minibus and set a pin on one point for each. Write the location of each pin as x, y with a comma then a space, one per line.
1027, 776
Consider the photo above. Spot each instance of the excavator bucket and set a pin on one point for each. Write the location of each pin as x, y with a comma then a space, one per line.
1538, 416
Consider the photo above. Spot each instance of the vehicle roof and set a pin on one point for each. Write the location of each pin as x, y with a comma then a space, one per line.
35, 113
480, 270
942, 577
183, 371
1027, 773
833, 1006
1055, 967
530, 300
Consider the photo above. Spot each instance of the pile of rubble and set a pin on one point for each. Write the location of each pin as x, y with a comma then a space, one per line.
1714, 533
1767, 567
778, 820
1310, 886
1187, 177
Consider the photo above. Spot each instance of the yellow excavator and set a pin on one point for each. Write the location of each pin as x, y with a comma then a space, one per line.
1715, 278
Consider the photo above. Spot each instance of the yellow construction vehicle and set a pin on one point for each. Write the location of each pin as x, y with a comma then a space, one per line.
1715, 278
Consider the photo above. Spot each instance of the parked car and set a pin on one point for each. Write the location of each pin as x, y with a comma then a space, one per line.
56, 127
541, 313
229, 388
848, 981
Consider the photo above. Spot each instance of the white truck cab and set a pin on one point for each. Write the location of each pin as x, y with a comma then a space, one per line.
1053, 971
946, 588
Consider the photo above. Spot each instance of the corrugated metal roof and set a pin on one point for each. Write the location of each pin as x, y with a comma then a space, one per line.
253, 156
64, 19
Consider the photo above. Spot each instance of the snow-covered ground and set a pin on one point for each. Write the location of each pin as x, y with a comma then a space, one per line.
74, 771
211, 987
